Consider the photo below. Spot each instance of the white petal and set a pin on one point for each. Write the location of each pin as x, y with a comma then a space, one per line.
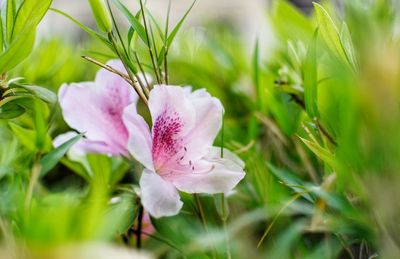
224, 174
159, 197
140, 142
215, 153
208, 122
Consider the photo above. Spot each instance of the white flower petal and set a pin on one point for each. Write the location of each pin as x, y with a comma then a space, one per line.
140, 142
159, 197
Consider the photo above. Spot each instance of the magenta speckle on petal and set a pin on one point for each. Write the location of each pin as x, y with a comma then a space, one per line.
166, 144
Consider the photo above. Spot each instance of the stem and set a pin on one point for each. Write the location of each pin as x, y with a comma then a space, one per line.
125, 51
200, 211
142, 71
139, 228
224, 218
125, 77
325, 132
32, 182
203, 220
165, 43
148, 42
166, 65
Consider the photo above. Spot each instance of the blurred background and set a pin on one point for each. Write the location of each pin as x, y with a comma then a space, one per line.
314, 114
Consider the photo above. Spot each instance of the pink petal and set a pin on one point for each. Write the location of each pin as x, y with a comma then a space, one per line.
172, 115
159, 197
222, 176
209, 111
83, 146
140, 142
96, 109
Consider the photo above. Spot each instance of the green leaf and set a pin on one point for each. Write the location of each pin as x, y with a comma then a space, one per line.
78, 168
158, 28
50, 160
291, 180
89, 31
310, 78
10, 16
161, 56
136, 25
121, 215
25, 136
101, 14
17, 96
11, 110
1, 36
289, 23
40, 125
329, 31
29, 15
20, 48
178, 26
345, 39
41, 92
118, 171
100, 166
321, 152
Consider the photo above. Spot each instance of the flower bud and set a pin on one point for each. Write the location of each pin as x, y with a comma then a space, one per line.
101, 14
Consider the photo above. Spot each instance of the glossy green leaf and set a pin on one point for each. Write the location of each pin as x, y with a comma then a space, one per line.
11, 110
50, 160
135, 23
10, 16
41, 92
20, 48
178, 26
29, 15
101, 14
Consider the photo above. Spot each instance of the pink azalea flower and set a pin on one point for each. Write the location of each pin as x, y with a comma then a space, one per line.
177, 153
96, 108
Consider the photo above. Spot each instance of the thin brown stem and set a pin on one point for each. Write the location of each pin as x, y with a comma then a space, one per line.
125, 77
325, 132
134, 83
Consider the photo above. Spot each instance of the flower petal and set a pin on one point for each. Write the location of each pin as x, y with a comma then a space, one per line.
96, 109
82, 147
208, 123
159, 197
223, 175
139, 143
172, 115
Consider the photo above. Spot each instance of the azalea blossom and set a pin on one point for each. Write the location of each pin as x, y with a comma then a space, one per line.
96, 108
178, 152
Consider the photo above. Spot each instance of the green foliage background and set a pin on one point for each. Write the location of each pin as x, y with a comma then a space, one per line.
317, 124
